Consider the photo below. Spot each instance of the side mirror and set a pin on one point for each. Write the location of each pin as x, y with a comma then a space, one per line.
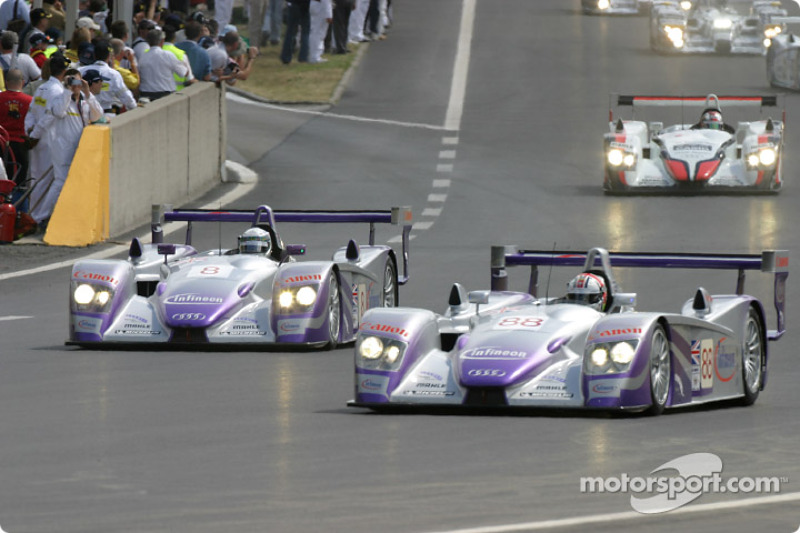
296, 249
624, 300
478, 297
166, 250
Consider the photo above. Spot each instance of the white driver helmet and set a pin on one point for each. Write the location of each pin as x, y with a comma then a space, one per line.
255, 241
588, 289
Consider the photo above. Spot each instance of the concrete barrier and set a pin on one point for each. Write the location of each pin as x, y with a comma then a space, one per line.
169, 152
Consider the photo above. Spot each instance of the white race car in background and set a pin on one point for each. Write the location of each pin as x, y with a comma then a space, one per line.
647, 156
715, 26
783, 58
614, 7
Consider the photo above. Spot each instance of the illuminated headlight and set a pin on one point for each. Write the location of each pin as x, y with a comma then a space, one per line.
599, 356
306, 295
90, 297
686, 5
297, 297
610, 357
617, 158
723, 24
286, 298
767, 42
674, 34
377, 353
622, 353
767, 157
603, 4
771, 32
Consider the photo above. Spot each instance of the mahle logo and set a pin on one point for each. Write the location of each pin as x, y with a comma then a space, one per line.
679, 482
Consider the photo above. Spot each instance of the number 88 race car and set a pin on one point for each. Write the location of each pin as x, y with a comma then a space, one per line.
589, 350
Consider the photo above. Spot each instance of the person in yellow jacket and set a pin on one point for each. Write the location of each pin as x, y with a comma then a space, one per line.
129, 76
169, 46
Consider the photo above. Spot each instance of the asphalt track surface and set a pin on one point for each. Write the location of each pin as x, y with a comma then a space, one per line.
98, 441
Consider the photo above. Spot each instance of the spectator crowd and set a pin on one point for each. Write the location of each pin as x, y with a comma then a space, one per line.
53, 85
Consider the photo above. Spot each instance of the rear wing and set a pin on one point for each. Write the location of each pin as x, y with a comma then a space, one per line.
263, 214
700, 102
771, 261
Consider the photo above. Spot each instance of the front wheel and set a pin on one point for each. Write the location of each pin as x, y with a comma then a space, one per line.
660, 371
334, 312
389, 284
753, 352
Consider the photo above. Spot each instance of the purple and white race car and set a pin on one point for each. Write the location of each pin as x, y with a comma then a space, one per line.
503, 349
614, 7
171, 294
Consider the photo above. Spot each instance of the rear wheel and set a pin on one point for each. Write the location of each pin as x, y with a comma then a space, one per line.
752, 357
334, 312
660, 371
389, 284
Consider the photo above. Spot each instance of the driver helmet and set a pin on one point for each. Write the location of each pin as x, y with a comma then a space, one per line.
254, 241
711, 120
587, 289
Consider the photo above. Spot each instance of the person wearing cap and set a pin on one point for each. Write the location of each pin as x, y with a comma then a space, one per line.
74, 109
139, 44
14, 106
39, 42
114, 96
9, 58
58, 18
39, 126
14, 10
95, 81
156, 68
40, 21
89, 24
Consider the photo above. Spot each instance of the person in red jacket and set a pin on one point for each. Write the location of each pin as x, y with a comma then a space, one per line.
14, 106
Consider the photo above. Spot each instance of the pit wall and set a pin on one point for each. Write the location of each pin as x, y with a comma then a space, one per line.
170, 151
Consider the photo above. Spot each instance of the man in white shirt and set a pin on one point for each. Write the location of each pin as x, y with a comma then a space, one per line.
10, 59
113, 94
156, 68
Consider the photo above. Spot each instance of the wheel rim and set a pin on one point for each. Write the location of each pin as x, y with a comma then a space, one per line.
752, 356
659, 368
388, 286
333, 309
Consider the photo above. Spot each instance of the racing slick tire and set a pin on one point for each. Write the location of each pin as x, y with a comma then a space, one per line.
334, 312
660, 371
753, 351
389, 284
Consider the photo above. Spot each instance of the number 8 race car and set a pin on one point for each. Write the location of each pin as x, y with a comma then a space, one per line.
502, 349
233, 298
706, 156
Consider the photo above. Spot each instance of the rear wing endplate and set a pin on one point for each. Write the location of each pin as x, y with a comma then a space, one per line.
398, 216
770, 261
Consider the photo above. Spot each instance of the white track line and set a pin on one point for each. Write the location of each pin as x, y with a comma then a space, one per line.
461, 67
630, 515
8, 318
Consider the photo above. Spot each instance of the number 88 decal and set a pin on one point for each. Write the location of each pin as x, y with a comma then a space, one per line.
520, 322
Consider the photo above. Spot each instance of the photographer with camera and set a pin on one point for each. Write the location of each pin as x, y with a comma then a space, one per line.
73, 110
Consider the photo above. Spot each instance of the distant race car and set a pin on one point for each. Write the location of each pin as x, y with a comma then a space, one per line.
783, 58
714, 26
590, 349
614, 7
710, 155
256, 294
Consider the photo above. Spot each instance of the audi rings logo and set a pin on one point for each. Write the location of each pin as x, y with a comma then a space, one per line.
188, 316
488, 372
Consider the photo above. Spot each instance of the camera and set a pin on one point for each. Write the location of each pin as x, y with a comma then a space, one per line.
72, 81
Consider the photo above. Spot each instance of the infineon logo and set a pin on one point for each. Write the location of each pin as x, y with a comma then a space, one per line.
193, 299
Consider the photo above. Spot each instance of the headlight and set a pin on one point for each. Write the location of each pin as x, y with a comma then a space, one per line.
306, 295
771, 32
615, 157
622, 353
767, 157
91, 298
599, 357
377, 353
686, 5
610, 357
752, 160
297, 297
371, 348
603, 4
674, 34
723, 24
